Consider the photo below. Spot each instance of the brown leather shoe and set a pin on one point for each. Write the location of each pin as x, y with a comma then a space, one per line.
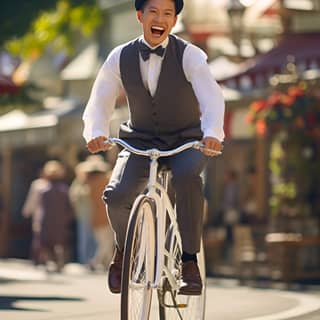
191, 280
115, 270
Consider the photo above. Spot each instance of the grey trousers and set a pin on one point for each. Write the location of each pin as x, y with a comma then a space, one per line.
129, 178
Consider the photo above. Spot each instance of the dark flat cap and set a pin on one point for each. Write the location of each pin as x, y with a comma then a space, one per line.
179, 5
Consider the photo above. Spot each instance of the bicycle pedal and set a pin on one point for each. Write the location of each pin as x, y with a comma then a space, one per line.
182, 305
179, 305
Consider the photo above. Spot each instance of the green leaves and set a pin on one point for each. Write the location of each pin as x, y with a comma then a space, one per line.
85, 18
57, 30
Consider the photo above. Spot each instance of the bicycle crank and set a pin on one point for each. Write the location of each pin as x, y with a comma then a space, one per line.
162, 293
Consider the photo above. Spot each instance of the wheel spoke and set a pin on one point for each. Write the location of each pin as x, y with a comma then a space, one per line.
172, 305
138, 270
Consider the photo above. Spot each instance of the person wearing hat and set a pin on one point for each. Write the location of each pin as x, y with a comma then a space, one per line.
95, 241
98, 174
52, 213
80, 196
173, 99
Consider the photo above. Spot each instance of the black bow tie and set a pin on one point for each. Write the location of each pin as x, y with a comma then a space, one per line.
145, 51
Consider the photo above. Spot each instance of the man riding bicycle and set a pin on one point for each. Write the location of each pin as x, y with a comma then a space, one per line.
172, 99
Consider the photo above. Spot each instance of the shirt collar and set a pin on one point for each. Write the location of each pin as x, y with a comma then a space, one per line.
164, 43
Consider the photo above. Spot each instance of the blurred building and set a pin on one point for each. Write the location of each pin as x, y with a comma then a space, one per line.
247, 42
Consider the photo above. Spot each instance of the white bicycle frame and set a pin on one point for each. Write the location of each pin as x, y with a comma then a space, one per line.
157, 192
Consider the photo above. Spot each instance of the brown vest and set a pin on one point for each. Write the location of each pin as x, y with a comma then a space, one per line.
169, 118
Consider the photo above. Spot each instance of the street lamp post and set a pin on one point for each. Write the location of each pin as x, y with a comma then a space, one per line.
235, 11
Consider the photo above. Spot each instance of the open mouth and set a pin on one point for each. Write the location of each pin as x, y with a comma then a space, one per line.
157, 31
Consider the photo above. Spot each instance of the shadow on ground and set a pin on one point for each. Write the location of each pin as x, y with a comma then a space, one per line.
8, 302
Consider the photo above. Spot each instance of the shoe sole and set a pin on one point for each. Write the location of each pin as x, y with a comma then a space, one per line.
115, 291
190, 292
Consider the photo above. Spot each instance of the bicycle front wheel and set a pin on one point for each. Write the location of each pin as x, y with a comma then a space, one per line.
139, 261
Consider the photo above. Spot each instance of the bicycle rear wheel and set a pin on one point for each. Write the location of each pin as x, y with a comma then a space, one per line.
139, 261
173, 306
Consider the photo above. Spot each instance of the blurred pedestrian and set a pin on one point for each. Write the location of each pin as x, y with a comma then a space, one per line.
249, 199
98, 173
230, 207
231, 199
33, 209
49, 205
81, 201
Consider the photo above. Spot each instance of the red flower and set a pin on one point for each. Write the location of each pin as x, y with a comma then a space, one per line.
274, 99
258, 105
287, 100
295, 91
294, 108
249, 118
261, 127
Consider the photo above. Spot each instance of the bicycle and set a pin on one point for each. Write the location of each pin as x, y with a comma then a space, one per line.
153, 250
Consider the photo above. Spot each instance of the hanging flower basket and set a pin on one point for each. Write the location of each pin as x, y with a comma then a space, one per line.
291, 120
297, 110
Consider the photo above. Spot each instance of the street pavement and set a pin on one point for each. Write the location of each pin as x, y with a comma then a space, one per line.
29, 293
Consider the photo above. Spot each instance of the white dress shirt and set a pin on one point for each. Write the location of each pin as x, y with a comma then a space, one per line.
108, 86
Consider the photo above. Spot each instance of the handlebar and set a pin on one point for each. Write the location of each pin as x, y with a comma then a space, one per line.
155, 153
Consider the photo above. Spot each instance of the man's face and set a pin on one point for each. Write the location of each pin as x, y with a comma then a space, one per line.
158, 17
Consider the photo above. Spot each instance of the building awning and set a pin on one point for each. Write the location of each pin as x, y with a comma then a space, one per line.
19, 129
304, 48
260, 7
255, 11
19, 120
231, 94
84, 66
222, 67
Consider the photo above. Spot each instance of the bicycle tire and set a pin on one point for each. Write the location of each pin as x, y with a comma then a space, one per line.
173, 306
139, 261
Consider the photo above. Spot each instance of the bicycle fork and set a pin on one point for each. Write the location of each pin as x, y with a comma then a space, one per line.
169, 282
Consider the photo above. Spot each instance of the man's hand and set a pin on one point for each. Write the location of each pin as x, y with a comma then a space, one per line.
98, 144
211, 146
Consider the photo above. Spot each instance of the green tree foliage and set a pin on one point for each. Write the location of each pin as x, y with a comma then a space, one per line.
56, 29
29, 28
16, 15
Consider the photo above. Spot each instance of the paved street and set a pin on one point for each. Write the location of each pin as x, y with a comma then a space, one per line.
27, 293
